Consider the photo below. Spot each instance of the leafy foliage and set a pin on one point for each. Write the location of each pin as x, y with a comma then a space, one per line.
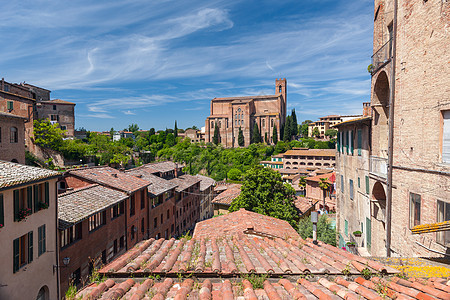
325, 232
256, 136
264, 192
316, 132
48, 135
234, 174
331, 133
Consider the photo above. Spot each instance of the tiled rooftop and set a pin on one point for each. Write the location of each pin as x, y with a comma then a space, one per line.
205, 182
58, 101
163, 166
245, 254
112, 178
330, 177
9, 115
311, 152
185, 181
227, 196
241, 221
77, 205
303, 204
157, 185
12, 174
338, 287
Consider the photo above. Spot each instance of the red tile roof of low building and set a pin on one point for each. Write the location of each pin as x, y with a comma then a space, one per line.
331, 287
13, 174
157, 185
205, 182
304, 204
241, 221
58, 101
111, 177
227, 196
311, 152
184, 182
331, 177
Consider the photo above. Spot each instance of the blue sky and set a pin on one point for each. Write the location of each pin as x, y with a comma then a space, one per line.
153, 62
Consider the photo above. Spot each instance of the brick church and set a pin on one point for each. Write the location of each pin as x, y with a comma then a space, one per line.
233, 112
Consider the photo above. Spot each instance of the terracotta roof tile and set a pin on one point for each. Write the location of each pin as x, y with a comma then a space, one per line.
112, 178
77, 205
227, 196
331, 177
242, 221
164, 166
185, 181
12, 174
58, 101
205, 182
157, 185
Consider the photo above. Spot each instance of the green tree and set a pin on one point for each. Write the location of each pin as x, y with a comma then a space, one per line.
170, 140
175, 130
331, 133
266, 138
324, 185
151, 131
325, 232
216, 137
241, 141
256, 136
287, 129
316, 132
294, 125
304, 128
234, 174
275, 135
263, 192
48, 135
111, 133
133, 128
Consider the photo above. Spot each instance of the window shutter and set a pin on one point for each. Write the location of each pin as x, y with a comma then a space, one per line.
16, 205
2, 211
47, 194
16, 255
351, 142
30, 246
36, 200
36, 196
44, 248
446, 138
30, 198
367, 184
338, 142
359, 141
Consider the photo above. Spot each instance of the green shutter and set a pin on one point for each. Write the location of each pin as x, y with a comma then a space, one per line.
47, 194
359, 141
30, 246
36, 196
2, 212
16, 255
367, 184
351, 142
347, 146
30, 198
346, 227
16, 205
338, 142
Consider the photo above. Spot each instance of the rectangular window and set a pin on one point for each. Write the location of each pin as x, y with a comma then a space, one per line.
346, 227
22, 251
71, 235
23, 203
443, 214
338, 140
359, 182
10, 105
351, 188
117, 210
41, 240
414, 209
54, 107
142, 226
2, 212
446, 138
342, 183
351, 142
132, 205
54, 117
143, 199
367, 185
155, 222
97, 220
359, 142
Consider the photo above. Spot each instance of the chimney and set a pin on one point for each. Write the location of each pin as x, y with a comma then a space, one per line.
367, 109
114, 175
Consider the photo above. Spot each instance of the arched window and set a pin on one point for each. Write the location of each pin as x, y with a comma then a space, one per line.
279, 89
235, 116
212, 124
14, 135
220, 124
43, 293
235, 122
263, 123
242, 122
271, 123
239, 110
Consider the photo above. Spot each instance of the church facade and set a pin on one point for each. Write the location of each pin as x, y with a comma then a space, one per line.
232, 113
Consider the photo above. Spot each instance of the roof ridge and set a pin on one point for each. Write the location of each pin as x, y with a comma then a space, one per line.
80, 189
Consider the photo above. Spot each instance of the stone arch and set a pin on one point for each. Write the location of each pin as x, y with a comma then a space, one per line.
43, 293
380, 103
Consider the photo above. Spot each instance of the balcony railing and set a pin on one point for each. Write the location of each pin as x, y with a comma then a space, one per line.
382, 56
378, 166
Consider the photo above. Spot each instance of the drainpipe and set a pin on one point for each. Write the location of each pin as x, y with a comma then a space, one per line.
391, 135
58, 275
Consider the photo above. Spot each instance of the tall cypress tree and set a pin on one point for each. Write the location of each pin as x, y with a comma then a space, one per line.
175, 129
256, 136
275, 134
287, 129
216, 137
294, 127
241, 141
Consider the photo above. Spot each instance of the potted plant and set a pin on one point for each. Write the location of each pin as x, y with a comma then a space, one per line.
43, 205
23, 213
1, 225
357, 233
351, 245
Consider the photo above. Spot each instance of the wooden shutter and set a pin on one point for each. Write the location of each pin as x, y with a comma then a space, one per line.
16, 255
359, 141
446, 138
339, 142
16, 205
30, 198
36, 196
2, 211
30, 246
351, 142
367, 185
47, 194
44, 248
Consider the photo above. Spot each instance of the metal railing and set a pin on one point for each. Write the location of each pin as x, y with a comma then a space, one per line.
382, 56
378, 166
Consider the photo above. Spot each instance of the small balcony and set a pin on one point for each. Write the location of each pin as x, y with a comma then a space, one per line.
381, 57
378, 166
